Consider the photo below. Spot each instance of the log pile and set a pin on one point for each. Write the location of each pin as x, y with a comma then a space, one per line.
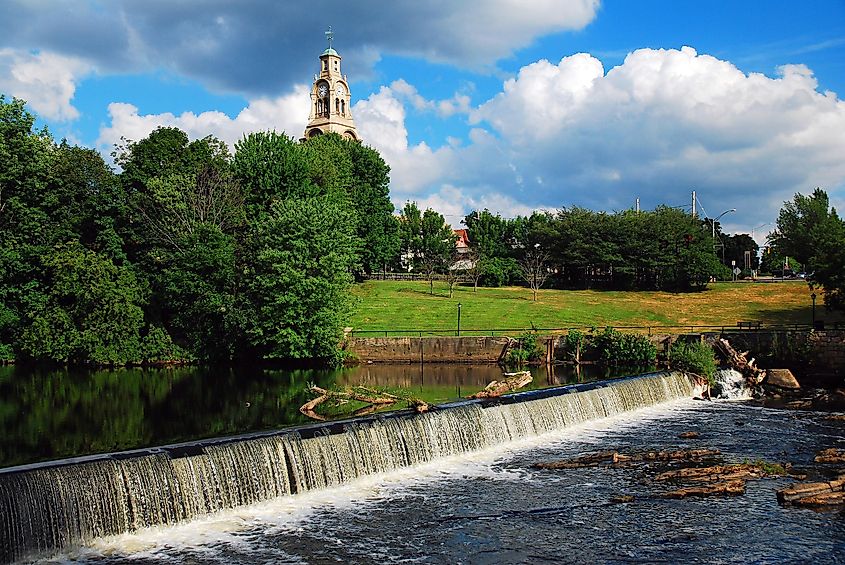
739, 361
511, 383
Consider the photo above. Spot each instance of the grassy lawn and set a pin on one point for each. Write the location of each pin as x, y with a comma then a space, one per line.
390, 305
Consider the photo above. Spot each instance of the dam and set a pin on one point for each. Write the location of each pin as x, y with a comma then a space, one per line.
49, 507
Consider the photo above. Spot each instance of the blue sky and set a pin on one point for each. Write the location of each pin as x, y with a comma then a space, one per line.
511, 105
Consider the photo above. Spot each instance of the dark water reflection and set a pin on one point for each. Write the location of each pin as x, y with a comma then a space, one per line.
54, 414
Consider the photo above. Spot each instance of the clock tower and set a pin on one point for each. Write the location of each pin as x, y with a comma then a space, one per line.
330, 111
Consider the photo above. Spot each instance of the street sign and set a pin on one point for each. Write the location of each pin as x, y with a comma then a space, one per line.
737, 270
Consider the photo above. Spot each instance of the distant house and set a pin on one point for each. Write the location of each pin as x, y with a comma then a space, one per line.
462, 247
462, 241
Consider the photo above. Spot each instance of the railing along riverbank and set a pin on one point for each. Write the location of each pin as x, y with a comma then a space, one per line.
649, 330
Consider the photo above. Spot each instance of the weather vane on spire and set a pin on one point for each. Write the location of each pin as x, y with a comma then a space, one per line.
330, 36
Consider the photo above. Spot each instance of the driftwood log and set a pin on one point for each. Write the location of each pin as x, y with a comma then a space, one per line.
372, 398
511, 382
739, 361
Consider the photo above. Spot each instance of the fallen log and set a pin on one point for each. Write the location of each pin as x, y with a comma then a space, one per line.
372, 398
511, 382
726, 488
740, 361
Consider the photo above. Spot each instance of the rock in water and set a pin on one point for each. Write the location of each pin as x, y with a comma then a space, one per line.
831, 455
727, 488
781, 378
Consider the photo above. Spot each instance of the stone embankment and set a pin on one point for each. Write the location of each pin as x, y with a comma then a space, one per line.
820, 353
428, 349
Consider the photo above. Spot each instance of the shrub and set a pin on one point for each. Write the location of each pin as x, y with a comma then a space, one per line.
572, 342
693, 357
616, 348
527, 350
498, 271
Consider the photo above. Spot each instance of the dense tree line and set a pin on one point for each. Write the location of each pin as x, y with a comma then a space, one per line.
188, 252
577, 248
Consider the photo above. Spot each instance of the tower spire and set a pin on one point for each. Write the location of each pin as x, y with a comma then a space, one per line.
330, 98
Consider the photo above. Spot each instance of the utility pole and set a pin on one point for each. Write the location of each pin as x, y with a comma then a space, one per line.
693, 204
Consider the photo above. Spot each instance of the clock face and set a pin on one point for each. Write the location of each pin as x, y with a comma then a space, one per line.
340, 91
322, 90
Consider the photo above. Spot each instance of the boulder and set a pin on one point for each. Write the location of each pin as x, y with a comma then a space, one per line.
781, 378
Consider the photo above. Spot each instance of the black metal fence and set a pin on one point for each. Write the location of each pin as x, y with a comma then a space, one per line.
650, 330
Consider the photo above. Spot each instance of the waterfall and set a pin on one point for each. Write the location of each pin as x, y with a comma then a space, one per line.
47, 507
731, 385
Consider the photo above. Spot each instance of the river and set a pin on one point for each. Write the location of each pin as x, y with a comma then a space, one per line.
54, 414
493, 507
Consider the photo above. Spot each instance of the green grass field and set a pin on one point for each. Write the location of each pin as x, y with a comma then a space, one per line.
389, 305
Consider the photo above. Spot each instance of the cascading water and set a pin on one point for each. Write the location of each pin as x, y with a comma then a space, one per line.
731, 385
51, 506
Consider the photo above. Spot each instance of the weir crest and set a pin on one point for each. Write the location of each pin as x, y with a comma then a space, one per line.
47, 507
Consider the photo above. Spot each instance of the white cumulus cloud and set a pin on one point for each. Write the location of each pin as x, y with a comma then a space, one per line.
287, 113
47, 81
665, 122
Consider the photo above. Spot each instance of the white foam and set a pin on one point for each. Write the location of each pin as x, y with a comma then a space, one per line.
731, 385
238, 527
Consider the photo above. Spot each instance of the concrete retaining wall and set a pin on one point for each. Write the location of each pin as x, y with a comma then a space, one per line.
427, 349
817, 353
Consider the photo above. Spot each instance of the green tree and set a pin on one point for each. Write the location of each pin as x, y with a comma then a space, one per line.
810, 230
360, 173
735, 250
299, 287
91, 310
799, 225
272, 167
427, 241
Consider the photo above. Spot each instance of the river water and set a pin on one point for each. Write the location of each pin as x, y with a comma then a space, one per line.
491, 506
54, 414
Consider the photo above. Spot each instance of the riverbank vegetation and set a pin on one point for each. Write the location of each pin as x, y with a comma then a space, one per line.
190, 252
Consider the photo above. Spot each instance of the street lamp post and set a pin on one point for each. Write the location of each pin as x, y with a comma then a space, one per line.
716, 219
813, 296
459, 319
